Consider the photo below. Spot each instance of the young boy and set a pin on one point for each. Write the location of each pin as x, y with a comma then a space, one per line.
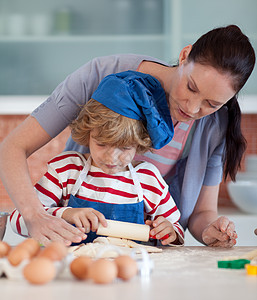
122, 118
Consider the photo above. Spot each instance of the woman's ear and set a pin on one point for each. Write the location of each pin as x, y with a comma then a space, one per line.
184, 54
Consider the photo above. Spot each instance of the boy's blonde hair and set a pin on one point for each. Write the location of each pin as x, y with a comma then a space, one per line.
111, 128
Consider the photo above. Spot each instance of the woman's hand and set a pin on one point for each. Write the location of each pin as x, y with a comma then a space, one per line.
85, 219
204, 223
220, 233
46, 228
162, 230
24, 140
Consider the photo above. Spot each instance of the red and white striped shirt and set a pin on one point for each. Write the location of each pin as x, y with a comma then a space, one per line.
55, 187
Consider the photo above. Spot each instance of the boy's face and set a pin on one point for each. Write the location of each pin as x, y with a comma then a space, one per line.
110, 159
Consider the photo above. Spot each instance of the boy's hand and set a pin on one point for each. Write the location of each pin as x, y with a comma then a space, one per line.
220, 233
86, 219
162, 230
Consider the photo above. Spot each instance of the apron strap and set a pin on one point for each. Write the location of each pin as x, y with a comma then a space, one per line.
81, 177
136, 182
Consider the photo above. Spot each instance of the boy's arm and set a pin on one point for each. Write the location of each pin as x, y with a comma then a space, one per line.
166, 211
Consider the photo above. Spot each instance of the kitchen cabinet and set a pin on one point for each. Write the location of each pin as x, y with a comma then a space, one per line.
41, 42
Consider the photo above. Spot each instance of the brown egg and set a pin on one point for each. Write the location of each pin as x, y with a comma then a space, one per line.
79, 267
17, 255
103, 271
31, 245
127, 267
39, 270
4, 249
54, 251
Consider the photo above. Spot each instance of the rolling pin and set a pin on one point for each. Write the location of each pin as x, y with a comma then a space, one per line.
126, 230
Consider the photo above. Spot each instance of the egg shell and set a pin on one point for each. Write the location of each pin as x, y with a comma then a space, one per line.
55, 251
31, 245
79, 267
127, 267
39, 270
103, 271
4, 249
17, 255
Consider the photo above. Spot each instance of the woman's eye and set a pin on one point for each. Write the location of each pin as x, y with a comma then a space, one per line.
190, 89
211, 105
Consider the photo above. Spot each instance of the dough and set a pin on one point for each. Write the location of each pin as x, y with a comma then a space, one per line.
110, 247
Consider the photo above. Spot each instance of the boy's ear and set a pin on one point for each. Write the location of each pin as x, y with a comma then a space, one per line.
184, 54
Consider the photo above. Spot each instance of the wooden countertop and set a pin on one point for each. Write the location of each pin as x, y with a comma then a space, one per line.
179, 273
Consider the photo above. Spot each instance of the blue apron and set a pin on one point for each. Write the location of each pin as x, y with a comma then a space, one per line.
130, 212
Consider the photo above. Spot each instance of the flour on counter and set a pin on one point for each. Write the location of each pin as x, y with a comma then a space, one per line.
110, 247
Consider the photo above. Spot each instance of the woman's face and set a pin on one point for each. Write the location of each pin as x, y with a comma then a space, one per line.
198, 90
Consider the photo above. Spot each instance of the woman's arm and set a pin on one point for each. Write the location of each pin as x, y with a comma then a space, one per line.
28, 137
204, 223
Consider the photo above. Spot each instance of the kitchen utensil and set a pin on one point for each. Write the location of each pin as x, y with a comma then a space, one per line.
251, 163
16, 24
244, 195
40, 24
246, 176
138, 232
126, 230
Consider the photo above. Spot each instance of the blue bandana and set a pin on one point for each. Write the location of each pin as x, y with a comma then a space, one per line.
138, 96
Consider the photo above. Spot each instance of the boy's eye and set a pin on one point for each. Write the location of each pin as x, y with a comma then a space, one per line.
126, 148
100, 145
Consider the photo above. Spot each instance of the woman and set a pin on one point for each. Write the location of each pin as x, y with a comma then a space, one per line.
201, 93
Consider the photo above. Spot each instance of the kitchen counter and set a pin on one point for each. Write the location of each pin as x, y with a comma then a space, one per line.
179, 273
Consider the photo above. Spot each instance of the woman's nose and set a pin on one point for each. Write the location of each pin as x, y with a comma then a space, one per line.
193, 106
